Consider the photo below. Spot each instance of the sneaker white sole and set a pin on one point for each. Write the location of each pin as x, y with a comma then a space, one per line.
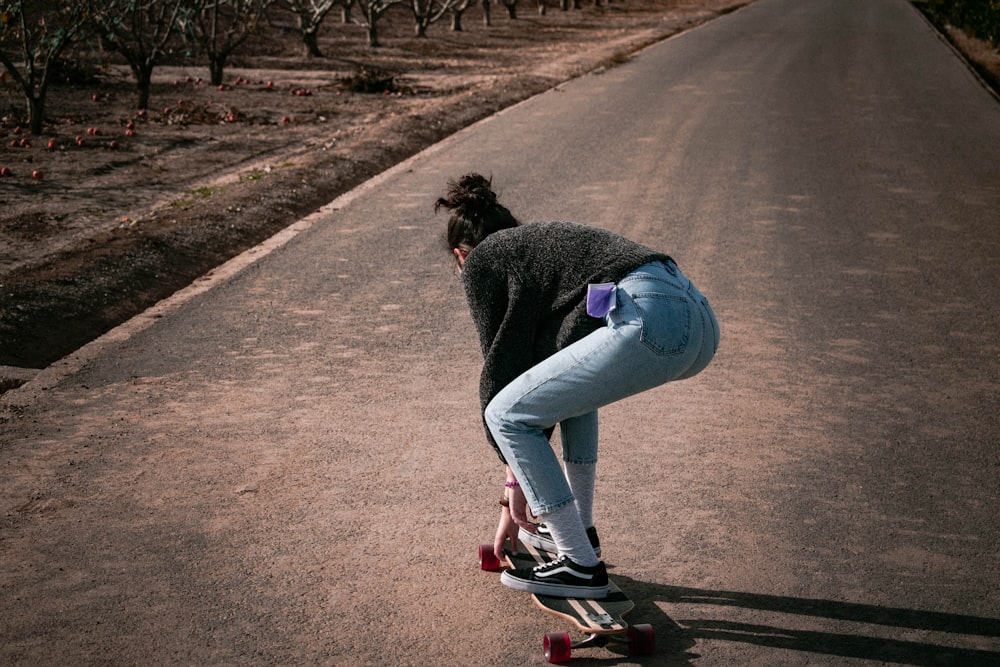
555, 590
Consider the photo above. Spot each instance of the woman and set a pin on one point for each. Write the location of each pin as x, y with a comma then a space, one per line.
570, 318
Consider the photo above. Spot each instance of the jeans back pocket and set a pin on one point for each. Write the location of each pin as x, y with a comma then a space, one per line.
665, 321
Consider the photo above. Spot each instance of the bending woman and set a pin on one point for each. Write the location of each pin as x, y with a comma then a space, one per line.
570, 318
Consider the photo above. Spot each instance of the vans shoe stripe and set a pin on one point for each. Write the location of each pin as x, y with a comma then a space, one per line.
560, 570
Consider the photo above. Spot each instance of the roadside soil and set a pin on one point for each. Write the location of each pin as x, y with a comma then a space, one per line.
209, 171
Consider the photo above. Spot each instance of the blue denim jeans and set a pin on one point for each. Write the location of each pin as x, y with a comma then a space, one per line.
662, 329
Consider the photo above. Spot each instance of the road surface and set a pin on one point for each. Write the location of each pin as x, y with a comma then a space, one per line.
284, 464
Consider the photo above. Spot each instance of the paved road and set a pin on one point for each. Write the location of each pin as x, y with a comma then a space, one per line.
283, 465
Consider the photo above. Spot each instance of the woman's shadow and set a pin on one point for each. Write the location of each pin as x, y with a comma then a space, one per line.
676, 637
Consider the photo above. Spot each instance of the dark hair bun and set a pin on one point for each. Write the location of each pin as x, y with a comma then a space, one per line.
469, 197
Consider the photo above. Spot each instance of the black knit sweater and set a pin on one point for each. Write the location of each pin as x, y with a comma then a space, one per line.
527, 289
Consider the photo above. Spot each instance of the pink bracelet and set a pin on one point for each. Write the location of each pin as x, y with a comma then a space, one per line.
511, 485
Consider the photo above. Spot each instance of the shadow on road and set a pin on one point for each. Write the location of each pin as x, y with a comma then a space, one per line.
675, 636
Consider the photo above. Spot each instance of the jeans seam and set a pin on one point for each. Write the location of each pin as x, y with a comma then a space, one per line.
649, 277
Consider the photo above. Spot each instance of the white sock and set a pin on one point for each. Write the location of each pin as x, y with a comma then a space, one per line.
581, 478
570, 536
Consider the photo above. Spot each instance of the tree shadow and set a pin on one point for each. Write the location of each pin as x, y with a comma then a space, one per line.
675, 637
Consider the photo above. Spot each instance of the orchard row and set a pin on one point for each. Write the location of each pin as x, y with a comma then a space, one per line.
36, 38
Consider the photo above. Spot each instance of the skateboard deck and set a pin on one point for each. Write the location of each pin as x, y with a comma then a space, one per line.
604, 616
603, 620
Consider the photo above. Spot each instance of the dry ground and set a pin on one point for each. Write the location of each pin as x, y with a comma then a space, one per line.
208, 172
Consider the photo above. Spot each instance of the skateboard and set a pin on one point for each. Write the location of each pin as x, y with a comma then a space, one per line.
603, 621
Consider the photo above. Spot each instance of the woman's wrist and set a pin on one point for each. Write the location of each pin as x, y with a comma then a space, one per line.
508, 485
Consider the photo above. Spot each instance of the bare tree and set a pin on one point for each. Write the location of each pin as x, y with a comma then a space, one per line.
310, 14
371, 12
457, 9
140, 31
33, 36
427, 12
222, 26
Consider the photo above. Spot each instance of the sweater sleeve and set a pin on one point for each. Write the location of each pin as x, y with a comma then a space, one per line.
506, 326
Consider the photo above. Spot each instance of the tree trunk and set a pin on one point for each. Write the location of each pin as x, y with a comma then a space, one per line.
487, 21
143, 82
216, 65
541, 7
372, 34
511, 6
310, 38
420, 28
36, 112
456, 21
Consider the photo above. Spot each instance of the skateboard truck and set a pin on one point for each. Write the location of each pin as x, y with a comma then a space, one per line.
601, 619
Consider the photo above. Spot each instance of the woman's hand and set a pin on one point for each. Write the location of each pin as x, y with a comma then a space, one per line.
513, 517
506, 530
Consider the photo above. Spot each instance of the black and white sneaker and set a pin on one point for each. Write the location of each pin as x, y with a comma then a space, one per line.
560, 578
543, 539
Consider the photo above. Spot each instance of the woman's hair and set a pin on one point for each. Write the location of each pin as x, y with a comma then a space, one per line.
475, 211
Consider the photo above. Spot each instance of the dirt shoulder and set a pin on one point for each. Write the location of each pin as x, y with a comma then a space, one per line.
111, 229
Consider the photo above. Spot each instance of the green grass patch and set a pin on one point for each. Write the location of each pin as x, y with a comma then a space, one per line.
206, 191
252, 176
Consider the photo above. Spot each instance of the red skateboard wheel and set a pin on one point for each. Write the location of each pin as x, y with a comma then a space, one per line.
557, 647
487, 559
